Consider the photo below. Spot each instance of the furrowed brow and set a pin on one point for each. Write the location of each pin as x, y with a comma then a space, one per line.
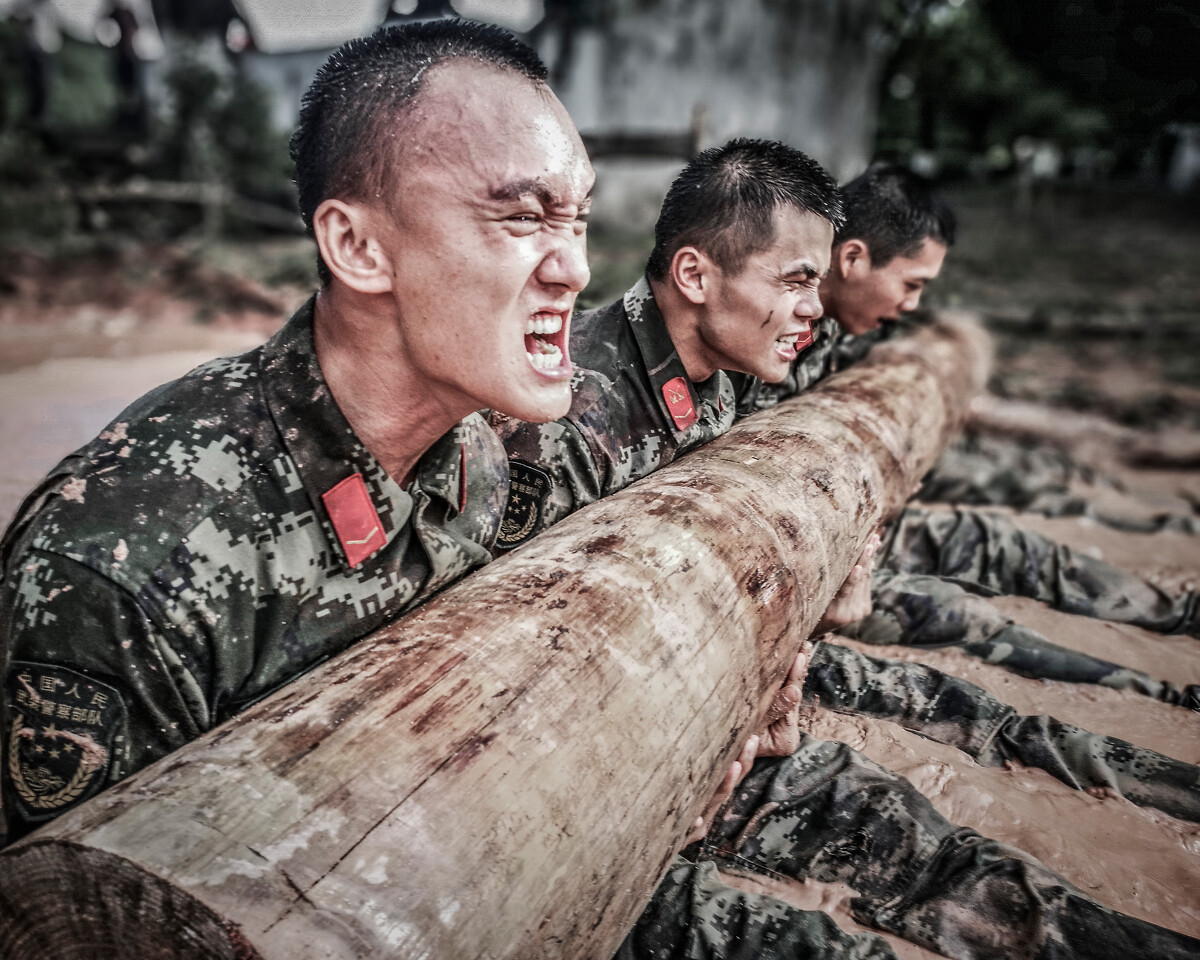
537, 188
807, 270
516, 189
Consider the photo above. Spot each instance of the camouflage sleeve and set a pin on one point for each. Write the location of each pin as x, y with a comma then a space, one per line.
994, 554
92, 690
695, 915
828, 813
924, 611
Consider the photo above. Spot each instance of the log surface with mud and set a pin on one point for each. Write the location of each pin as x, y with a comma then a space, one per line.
508, 771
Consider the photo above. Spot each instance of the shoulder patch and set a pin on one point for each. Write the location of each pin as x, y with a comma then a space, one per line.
354, 518
528, 488
678, 396
62, 731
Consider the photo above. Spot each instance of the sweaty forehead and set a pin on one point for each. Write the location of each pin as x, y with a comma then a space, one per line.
498, 128
803, 239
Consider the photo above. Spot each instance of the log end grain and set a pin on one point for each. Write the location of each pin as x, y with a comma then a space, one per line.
69, 902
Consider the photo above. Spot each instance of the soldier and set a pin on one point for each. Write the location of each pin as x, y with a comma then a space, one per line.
744, 232
897, 234
658, 390
895, 239
234, 528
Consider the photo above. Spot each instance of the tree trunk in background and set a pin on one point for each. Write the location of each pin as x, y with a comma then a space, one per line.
508, 771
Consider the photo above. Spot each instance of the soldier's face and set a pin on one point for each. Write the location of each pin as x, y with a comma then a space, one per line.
487, 238
757, 314
867, 295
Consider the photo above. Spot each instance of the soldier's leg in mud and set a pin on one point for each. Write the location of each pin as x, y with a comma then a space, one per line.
829, 814
1086, 760
695, 915
954, 711
918, 610
986, 470
983, 471
993, 553
934, 704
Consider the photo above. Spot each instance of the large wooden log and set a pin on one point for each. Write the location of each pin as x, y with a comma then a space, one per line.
508, 771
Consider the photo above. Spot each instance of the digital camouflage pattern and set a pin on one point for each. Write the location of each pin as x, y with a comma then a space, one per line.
633, 410
696, 915
981, 470
991, 555
954, 711
829, 814
184, 564
971, 885
925, 611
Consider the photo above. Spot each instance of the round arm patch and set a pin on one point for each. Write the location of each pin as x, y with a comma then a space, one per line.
63, 727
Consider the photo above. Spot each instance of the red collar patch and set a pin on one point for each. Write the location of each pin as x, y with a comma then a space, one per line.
679, 401
354, 519
805, 339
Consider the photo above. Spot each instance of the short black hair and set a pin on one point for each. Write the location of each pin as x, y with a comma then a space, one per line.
724, 201
893, 211
341, 146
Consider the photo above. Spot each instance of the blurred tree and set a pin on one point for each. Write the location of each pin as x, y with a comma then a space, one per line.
1134, 59
953, 90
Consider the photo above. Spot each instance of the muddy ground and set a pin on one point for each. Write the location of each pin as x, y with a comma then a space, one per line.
1095, 305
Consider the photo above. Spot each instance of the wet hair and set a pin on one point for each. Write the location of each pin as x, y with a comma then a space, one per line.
724, 201
894, 211
351, 126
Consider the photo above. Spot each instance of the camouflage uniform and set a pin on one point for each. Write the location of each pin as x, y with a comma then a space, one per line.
956, 712
621, 427
829, 814
634, 410
995, 557
973, 470
225, 534
980, 470
934, 561
925, 611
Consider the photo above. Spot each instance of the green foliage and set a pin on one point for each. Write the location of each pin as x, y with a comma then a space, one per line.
83, 93
256, 153
953, 87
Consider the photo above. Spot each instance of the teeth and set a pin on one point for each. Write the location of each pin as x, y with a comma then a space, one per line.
547, 358
544, 323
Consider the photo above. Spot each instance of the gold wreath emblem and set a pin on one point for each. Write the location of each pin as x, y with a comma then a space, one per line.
60, 798
509, 530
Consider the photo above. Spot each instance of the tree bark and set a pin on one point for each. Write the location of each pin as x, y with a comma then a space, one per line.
507, 771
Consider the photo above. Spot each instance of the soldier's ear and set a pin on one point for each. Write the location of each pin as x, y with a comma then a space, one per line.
851, 256
691, 272
346, 236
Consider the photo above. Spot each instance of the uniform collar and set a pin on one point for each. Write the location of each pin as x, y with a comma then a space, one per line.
325, 449
662, 362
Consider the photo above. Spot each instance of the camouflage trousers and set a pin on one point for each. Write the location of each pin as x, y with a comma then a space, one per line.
981, 470
959, 713
918, 610
827, 813
995, 557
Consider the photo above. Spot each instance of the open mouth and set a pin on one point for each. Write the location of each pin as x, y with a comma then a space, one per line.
792, 343
546, 342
